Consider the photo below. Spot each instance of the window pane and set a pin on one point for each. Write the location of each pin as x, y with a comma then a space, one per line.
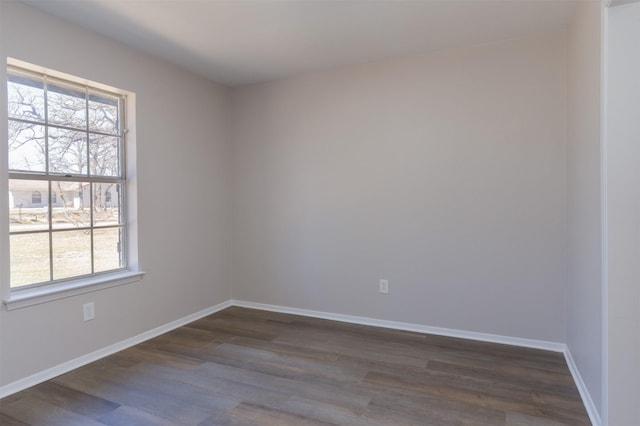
106, 248
71, 254
106, 204
103, 114
72, 208
67, 151
104, 154
29, 259
28, 201
66, 106
26, 147
26, 98
60, 133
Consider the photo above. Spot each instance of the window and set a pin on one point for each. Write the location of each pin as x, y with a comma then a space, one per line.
67, 179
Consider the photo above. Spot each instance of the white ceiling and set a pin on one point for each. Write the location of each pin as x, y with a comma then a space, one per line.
238, 42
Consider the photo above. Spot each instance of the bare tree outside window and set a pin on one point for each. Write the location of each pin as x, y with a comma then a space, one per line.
65, 143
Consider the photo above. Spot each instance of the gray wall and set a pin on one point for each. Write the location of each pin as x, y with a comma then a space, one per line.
584, 300
623, 213
443, 174
182, 155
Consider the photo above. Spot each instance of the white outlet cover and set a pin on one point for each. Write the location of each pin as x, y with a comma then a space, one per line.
384, 286
88, 311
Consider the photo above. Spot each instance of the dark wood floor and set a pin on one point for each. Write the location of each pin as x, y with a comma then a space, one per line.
249, 367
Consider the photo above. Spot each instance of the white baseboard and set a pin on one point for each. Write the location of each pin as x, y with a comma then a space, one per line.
450, 332
65, 367
592, 411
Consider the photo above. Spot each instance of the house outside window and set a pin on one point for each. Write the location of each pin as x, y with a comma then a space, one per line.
66, 150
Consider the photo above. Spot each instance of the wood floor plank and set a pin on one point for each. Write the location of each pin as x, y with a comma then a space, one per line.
519, 419
129, 416
266, 416
286, 366
294, 350
517, 376
73, 400
230, 328
248, 367
6, 420
243, 384
362, 348
486, 398
152, 389
326, 412
36, 412
435, 410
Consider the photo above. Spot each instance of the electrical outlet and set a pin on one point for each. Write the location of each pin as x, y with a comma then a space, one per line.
384, 286
89, 311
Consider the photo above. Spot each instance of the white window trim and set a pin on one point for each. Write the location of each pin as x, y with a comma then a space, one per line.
20, 298
35, 296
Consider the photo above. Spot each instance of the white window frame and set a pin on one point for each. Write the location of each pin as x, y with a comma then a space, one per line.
20, 297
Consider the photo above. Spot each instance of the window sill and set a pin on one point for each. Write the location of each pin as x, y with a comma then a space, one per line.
29, 297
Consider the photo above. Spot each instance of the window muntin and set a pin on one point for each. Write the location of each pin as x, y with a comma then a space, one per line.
65, 142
